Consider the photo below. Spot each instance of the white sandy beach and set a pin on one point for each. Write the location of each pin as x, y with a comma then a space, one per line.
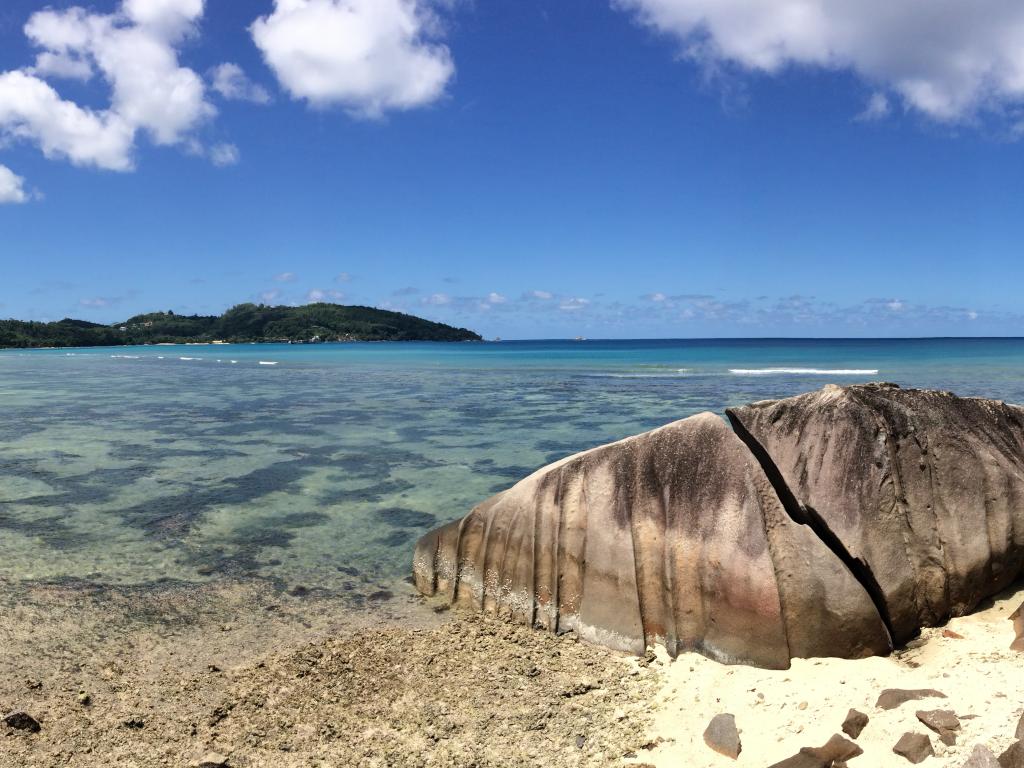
779, 712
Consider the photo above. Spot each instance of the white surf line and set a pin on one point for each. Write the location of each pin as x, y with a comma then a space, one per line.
267, 362
804, 371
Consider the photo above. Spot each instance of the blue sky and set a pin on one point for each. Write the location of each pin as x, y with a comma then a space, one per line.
541, 168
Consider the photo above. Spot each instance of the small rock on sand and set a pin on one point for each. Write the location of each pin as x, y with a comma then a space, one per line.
915, 747
21, 721
835, 751
721, 735
943, 721
1020, 728
1018, 625
891, 698
854, 723
981, 757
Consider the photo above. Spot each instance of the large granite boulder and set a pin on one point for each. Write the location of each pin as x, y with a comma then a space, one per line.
831, 524
921, 492
675, 536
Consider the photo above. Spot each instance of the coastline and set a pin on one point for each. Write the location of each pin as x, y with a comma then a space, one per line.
261, 677
265, 678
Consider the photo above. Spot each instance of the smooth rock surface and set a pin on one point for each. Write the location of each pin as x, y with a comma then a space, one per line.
1018, 626
721, 735
674, 536
905, 480
837, 523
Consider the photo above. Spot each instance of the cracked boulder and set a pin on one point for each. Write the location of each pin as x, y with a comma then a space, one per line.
923, 491
831, 524
675, 536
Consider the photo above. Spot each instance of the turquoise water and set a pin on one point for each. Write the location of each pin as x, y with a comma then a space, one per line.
309, 464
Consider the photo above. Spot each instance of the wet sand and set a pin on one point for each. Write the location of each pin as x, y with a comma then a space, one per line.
162, 677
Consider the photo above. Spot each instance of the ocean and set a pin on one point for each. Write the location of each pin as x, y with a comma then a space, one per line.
303, 465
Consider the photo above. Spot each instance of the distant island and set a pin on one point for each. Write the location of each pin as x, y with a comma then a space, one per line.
243, 323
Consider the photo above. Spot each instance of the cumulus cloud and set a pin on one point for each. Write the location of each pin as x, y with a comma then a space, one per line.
367, 56
134, 50
12, 187
223, 155
232, 83
947, 60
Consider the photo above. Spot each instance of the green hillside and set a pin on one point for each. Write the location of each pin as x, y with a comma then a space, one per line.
242, 323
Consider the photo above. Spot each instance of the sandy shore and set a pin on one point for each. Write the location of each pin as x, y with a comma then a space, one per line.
265, 678
779, 712
162, 677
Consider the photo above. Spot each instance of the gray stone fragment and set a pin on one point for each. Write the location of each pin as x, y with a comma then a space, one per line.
721, 735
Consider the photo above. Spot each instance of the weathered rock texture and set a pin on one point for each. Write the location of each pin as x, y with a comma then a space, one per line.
674, 536
824, 525
923, 490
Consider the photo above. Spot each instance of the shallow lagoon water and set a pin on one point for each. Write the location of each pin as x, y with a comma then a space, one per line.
308, 465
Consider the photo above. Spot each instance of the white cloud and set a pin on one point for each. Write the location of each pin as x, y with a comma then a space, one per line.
12, 187
656, 297
972, 315
231, 82
285, 277
895, 305
876, 108
495, 298
97, 303
573, 305
135, 52
542, 295
30, 109
368, 56
223, 155
437, 299
947, 60
320, 295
